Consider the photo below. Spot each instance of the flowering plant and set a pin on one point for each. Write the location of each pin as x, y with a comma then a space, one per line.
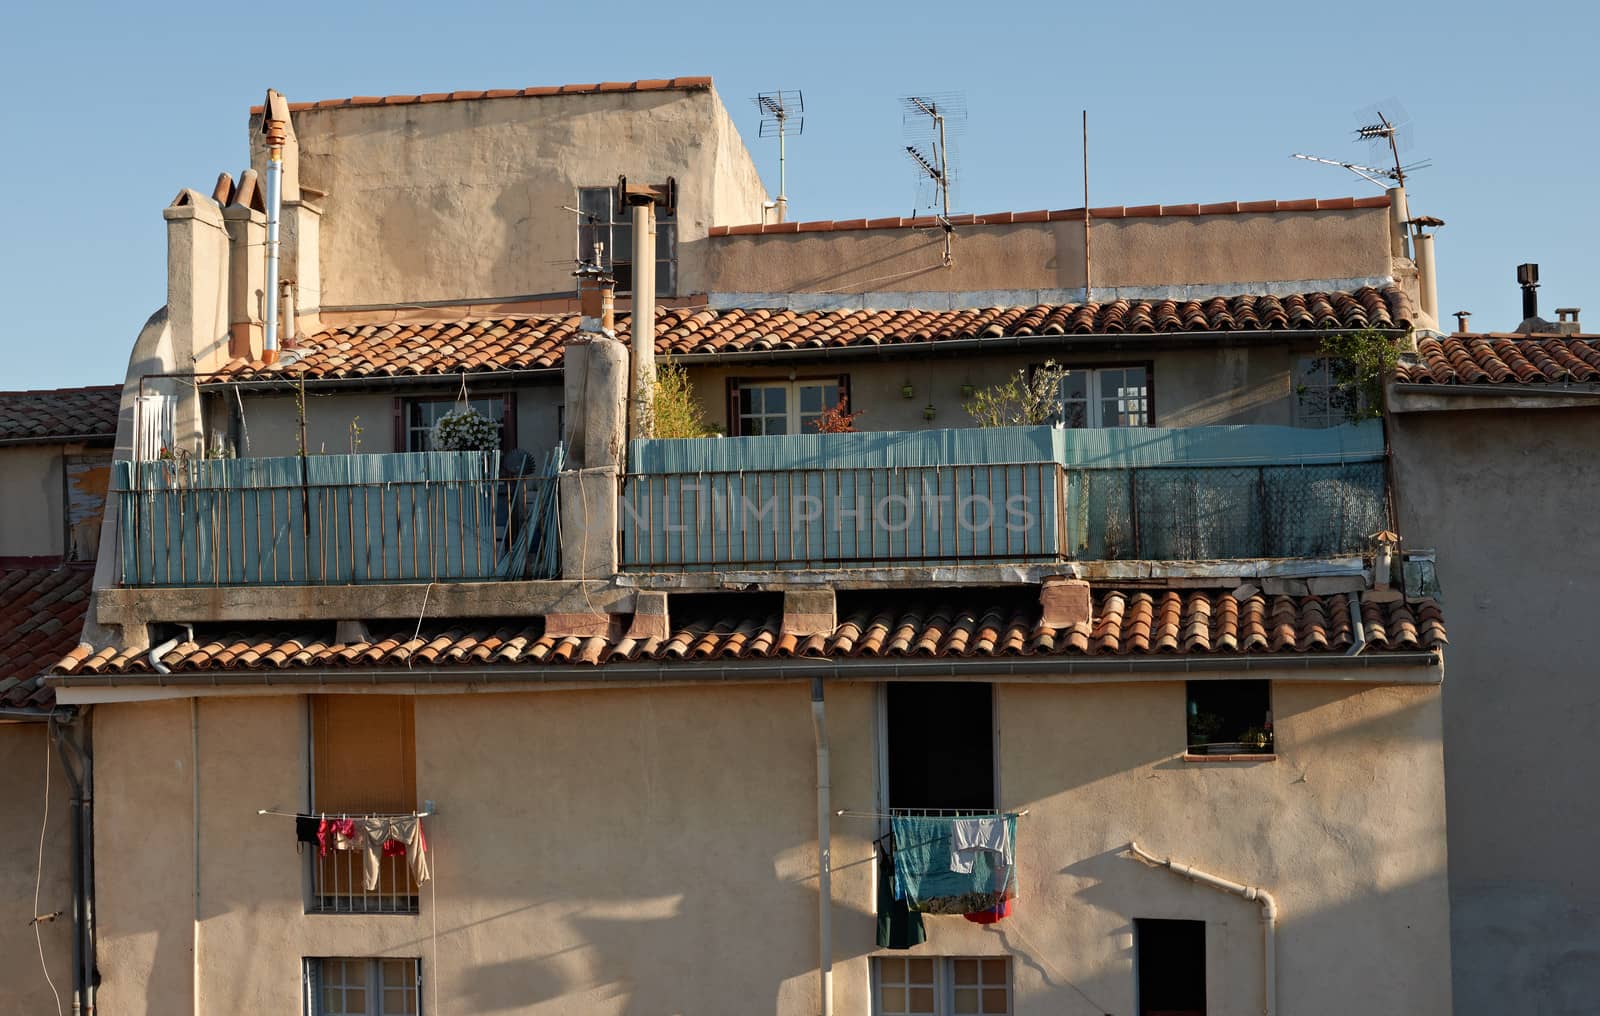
465, 430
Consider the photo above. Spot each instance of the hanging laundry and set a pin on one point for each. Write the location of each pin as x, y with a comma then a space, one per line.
393, 848
337, 834
994, 914
376, 830
305, 830
923, 847
971, 836
899, 927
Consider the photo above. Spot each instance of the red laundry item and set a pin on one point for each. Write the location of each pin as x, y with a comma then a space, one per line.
993, 914
393, 848
330, 832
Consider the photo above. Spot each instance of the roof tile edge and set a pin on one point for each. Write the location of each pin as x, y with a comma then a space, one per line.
1063, 215
690, 83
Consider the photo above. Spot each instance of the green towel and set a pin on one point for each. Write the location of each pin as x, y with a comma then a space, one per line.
899, 927
922, 868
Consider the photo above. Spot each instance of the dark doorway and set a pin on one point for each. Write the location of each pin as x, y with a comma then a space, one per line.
1170, 957
941, 746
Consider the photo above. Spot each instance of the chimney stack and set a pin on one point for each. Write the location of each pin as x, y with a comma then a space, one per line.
1528, 278
1567, 320
1462, 317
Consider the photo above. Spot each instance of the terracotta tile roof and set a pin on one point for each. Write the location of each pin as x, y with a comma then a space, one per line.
647, 85
1504, 359
1125, 624
41, 617
1059, 215
535, 341
59, 414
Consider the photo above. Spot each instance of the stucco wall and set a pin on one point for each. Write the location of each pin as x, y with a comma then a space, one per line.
31, 516
273, 420
1507, 498
1164, 251
657, 851
23, 988
462, 200
1192, 387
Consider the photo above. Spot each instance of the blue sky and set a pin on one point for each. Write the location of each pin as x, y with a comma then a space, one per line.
110, 108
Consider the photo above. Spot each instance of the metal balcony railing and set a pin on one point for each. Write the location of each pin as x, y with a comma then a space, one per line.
331, 520
338, 885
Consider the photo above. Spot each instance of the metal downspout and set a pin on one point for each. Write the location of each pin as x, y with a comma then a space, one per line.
819, 723
91, 946
76, 827
1255, 894
1356, 627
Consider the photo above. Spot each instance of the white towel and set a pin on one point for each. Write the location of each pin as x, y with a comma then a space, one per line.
968, 836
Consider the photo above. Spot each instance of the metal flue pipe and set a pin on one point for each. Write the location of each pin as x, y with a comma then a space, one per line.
641, 411
275, 126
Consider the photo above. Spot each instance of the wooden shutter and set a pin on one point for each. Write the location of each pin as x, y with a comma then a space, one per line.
364, 753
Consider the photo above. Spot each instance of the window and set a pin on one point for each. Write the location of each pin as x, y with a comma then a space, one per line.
941, 746
606, 223
1230, 717
1318, 399
363, 761
1106, 397
941, 985
1170, 960
417, 417
782, 407
363, 987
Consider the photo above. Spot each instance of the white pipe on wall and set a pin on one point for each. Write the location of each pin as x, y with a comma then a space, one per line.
819, 723
642, 408
1269, 915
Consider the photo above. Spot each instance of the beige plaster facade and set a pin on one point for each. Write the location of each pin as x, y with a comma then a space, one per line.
24, 990
463, 200
1504, 492
1235, 251
674, 870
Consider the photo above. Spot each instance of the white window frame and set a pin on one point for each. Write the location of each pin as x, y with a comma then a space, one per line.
795, 422
1313, 372
419, 437
943, 985
372, 985
1096, 396
612, 221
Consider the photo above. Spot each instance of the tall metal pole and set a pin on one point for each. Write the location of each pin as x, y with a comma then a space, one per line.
783, 184
944, 186
1088, 275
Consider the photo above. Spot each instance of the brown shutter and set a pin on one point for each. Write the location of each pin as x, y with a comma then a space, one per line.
733, 407
400, 425
364, 753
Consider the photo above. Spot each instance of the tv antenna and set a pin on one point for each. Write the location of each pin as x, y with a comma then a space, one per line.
1388, 133
781, 116
598, 251
929, 122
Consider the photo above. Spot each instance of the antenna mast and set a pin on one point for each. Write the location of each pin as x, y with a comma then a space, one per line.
780, 115
935, 118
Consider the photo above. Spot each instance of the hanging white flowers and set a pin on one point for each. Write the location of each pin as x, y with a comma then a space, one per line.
465, 430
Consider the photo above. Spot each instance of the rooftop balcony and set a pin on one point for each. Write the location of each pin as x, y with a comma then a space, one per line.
332, 520
1013, 495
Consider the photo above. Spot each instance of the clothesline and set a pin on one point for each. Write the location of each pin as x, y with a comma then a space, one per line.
926, 813
342, 814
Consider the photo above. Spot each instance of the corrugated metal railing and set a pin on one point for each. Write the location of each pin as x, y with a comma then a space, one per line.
1014, 512
187, 529
850, 516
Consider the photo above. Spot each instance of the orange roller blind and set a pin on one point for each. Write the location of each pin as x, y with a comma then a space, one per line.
364, 753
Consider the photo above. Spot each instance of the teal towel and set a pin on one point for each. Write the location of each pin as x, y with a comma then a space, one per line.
922, 867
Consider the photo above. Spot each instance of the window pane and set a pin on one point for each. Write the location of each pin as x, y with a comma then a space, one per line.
666, 241
892, 969
995, 1001
893, 999
966, 971
595, 201
777, 400
920, 1000
621, 249
920, 971
994, 972
966, 1000
1075, 384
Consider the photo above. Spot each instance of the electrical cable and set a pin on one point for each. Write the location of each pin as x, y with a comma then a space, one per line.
38, 877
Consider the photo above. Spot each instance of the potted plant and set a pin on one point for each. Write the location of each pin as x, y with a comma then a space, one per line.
465, 430
929, 412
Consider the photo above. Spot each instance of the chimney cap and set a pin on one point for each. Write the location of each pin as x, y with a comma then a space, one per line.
1426, 222
1528, 274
